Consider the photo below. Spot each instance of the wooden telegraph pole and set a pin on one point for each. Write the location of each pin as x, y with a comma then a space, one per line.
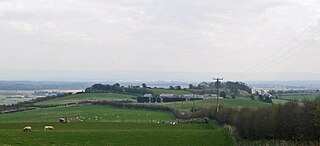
217, 88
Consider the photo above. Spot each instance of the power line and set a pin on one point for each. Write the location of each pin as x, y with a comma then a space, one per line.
282, 60
261, 63
295, 49
283, 47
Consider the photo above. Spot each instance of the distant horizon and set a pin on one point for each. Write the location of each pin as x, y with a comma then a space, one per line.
138, 81
81, 85
140, 76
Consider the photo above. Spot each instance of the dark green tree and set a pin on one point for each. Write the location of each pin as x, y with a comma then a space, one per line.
223, 94
144, 85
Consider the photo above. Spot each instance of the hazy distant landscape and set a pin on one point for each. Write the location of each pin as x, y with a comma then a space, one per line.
18, 91
160, 73
164, 110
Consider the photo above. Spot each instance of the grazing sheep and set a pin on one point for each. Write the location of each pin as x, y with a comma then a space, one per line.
27, 129
48, 128
63, 120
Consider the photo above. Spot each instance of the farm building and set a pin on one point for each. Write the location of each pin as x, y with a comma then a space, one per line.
147, 100
174, 98
143, 99
148, 95
210, 96
193, 96
155, 100
168, 95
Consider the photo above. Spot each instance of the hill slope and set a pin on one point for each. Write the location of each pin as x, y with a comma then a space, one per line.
86, 114
87, 96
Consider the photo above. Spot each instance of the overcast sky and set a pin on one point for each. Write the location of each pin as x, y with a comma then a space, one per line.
237, 39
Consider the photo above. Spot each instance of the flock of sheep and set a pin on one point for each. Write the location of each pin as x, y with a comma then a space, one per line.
28, 128
78, 118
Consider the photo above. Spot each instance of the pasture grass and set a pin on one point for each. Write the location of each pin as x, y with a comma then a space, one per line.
94, 113
279, 101
284, 98
183, 106
87, 97
114, 134
232, 103
106, 125
299, 97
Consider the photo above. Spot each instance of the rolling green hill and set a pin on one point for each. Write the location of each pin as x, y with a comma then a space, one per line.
114, 134
87, 96
90, 125
298, 96
233, 103
87, 114
185, 106
284, 98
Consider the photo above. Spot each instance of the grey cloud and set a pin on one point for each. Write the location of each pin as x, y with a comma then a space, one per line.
152, 35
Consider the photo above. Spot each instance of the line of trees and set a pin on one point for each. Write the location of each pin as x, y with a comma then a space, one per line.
291, 121
237, 85
232, 87
116, 88
229, 85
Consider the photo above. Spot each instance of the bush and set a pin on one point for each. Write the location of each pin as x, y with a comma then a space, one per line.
291, 121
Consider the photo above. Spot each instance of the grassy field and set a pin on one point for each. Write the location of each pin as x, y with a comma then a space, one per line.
233, 103
184, 106
4, 100
284, 98
168, 91
114, 134
279, 101
93, 127
104, 96
87, 114
298, 96
87, 96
